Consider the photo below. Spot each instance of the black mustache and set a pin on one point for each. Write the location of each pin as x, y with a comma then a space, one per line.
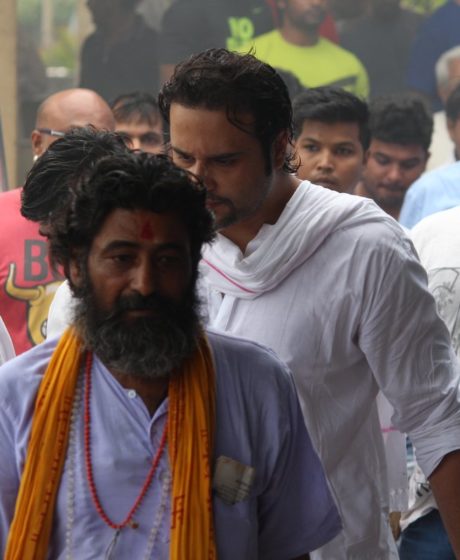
138, 302
215, 198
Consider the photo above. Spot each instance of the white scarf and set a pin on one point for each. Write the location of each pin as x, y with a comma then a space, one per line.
310, 216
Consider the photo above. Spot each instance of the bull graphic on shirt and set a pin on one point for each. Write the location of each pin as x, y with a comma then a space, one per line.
38, 299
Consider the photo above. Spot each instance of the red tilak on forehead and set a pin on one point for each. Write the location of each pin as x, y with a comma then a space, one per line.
147, 231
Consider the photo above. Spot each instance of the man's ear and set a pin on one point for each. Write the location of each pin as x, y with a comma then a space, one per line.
427, 158
37, 142
451, 128
280, 147
74, 272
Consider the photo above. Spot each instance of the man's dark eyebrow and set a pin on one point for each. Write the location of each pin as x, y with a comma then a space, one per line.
381, 154
414, 159
119, 244
152, 134
125, 244
179, 151
223, 155
345, 143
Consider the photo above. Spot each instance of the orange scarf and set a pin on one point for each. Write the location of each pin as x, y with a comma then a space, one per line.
191, 431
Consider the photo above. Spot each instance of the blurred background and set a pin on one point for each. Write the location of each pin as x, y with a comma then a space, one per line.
50, 45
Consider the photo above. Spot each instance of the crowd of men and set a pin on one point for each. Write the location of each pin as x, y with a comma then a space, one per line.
320, 42
224, 338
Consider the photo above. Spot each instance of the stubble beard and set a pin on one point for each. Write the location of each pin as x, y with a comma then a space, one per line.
149, 347
234, 214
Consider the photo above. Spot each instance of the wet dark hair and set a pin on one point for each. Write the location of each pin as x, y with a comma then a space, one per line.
137, 106
453, 105
46, 190
331, 105
403, 119
130, 180
238, 83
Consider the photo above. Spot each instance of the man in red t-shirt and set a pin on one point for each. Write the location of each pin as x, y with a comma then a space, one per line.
27, 282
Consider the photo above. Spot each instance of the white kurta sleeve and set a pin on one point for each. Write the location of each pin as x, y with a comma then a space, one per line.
408, 349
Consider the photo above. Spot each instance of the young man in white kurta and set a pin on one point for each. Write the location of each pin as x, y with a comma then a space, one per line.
345, 304
329, 282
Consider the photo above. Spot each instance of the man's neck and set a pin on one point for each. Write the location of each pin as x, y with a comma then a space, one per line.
360, 190
393, 211
282, 190
151, 391
299, 37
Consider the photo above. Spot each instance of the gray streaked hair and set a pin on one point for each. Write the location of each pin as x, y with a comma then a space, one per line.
442, 65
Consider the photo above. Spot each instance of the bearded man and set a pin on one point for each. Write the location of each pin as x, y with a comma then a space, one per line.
137, 434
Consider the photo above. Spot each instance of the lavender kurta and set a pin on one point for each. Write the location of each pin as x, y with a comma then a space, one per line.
289, 510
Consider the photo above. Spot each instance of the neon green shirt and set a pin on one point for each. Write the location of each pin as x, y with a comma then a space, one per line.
322, 64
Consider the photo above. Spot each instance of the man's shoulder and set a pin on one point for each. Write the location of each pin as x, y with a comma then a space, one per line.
93, 39
431, 226
31, 362
241, 348
351, 215
10, 207
245, 359
12, 197
20, 377
264, 40
437, 177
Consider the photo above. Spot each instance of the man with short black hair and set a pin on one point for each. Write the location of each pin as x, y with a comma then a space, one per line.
331, 137
151, 438
400, 128
138, 117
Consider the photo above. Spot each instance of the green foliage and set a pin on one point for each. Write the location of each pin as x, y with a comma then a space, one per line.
29, 12
63, 52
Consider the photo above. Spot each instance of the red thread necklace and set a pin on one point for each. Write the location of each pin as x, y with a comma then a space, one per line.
88, 461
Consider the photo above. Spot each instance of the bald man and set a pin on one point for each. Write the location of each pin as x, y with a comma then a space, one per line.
27, 282
67, 109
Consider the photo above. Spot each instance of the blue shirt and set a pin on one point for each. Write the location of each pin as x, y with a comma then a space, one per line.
434, 191
289, 510
437, 35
